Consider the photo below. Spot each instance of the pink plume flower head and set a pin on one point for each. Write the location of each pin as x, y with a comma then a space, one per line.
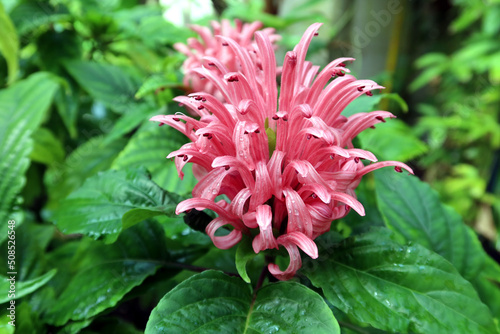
286, 163
211, 52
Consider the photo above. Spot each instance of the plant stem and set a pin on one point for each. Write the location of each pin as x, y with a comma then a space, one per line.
262, 277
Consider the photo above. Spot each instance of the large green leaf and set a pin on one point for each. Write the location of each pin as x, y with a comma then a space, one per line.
22, 108
85, 161
23, 288
30, 16
382, 141
9, 44
105, 273
376, 280
157, 81
148, 148
109, 84
47, 148
212, 302
31, 240
129, 121
97, 208
411, 208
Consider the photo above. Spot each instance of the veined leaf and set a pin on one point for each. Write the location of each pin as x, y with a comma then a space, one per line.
39, 14
156, 81
381, 141
107, 272
24, 288
148, 148
109, 84
212, 302
244, 253
378, 281
85, 161
411, 208
47, 148
9, 44
22, 108
97, 208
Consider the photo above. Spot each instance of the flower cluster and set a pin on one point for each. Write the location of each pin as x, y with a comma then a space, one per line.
209, 51
286, 163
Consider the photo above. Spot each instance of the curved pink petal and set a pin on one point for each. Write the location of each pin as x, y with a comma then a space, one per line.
302, 241
232, 162
299, 219
349, 200
294, 265
396, 164
265, 239
222, 242
210, 185
202, 203
263, 186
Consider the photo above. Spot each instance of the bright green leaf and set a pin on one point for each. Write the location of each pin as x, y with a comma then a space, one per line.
212, 302
97, 208
22, 108
381, 141
244, 253
109, 84
411, 208
378, 281
47, 148
148, 148
23, 288
9, 44
107, 272
39, 13
154, 82
85, 161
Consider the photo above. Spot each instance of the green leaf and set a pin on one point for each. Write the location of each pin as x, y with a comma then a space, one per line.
9, 44
156, 81
85, 161
24, 288
129, 121
22, 108
54, 47
67, 104
489, 292
47, 148
107, 272
30, 16
97, 208
244, 254
109, 84
27, 321
381, 141
366, 103
148, 148
411, 208
30, 242
212, 302
376, 280
5, 327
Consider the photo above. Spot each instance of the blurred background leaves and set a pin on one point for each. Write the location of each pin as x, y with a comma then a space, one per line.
80, 78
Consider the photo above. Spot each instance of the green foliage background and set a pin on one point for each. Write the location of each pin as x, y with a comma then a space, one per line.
99, 248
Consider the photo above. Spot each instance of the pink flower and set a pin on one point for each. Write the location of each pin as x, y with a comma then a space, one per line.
210, 52
287, 164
